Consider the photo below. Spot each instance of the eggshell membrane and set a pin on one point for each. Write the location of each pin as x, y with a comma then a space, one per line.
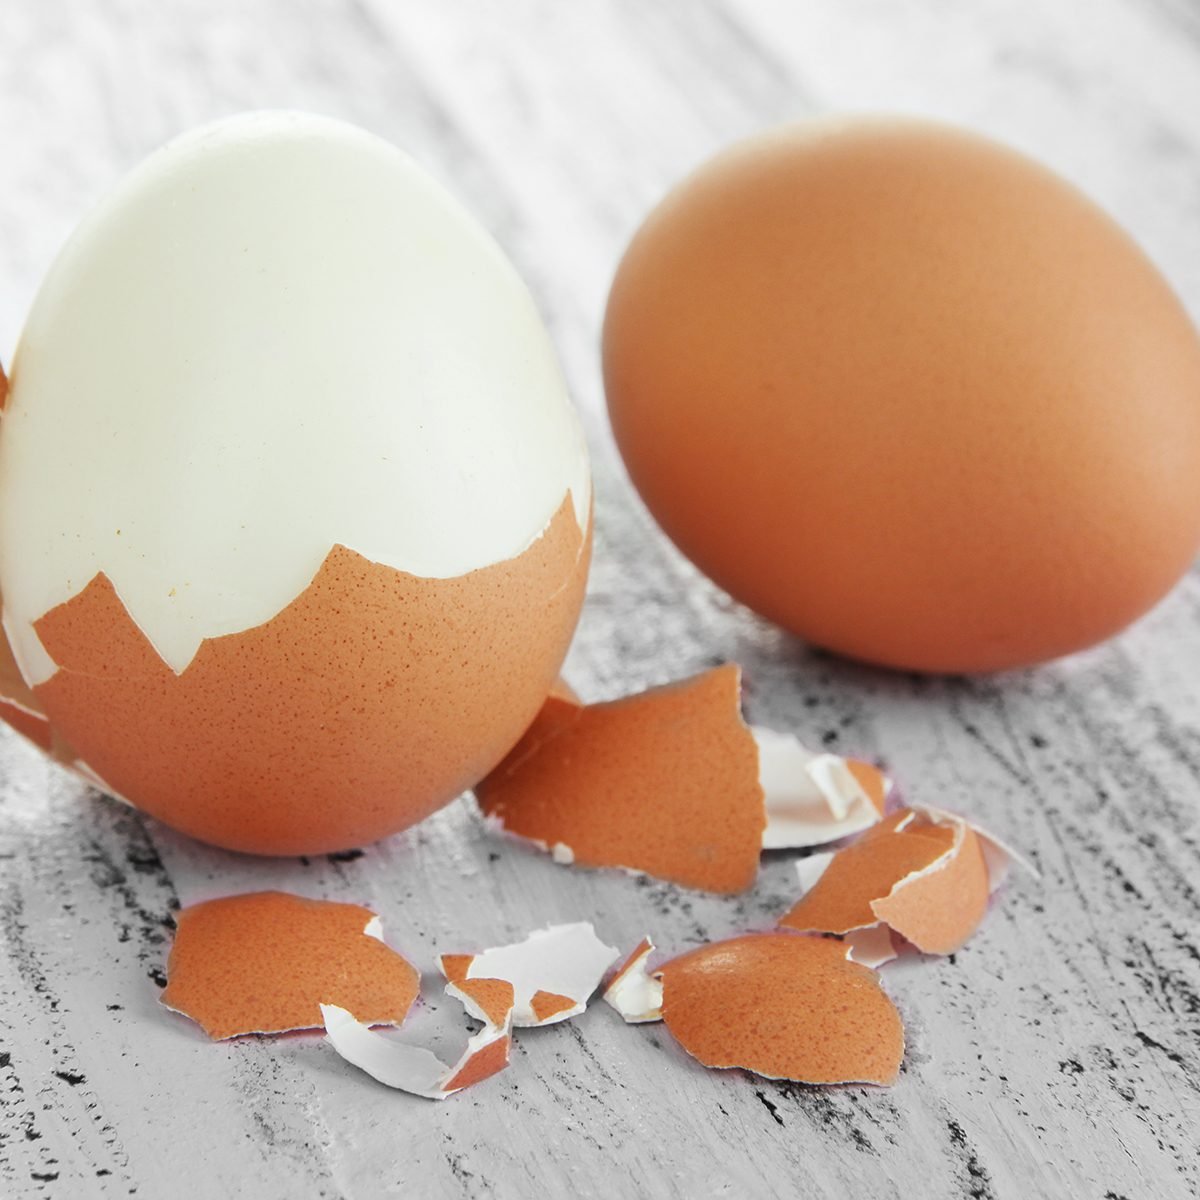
568, 956
417, 1070
264, 962
908, 394
635, 960
634, 992
784, 1006
939, 909
371, 700
862, 873
664, 782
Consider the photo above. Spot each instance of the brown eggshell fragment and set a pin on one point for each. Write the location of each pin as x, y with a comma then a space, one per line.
371, 700
664, 782
549, 1004
481, 1064
863, 872
492, 999
938, 909
265, 962
784, 1006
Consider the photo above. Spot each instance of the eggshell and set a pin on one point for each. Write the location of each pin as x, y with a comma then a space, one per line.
294, 508
925, 873
908, 394
842, 897
784, 1006
553, 972
265, 962
665, 782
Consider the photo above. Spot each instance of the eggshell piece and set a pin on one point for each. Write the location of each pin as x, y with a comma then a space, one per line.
488, 1000
482, 1061
265, 962
841, 898
901, 390
812, 798
415, 1069
664, 782
925, 874
784, 1006
546, 1006
553, 972
941, 905
634, 991
873, 946
371, 700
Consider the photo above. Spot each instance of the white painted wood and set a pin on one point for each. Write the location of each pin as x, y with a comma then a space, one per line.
1057, 1056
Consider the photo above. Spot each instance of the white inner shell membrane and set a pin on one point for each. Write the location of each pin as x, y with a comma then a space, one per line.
568, 960
276, 335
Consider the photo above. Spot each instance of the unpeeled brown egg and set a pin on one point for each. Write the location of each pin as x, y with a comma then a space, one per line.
908, 394
294, 507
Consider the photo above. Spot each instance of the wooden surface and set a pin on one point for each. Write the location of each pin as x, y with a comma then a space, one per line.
1057, 1056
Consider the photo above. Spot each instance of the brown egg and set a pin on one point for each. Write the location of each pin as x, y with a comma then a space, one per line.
908, 394
294, 509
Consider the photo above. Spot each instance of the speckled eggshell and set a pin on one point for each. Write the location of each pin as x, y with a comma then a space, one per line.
908, 394
295, 512
785, 1006
264, 962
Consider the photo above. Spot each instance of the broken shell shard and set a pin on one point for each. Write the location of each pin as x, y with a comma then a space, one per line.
925, 874
938, 907
415, 1069
840, 897
812, 798
664, 782
999, 856
633, 991
295, 484
264, 962
872, 946
552, 973
785, 1006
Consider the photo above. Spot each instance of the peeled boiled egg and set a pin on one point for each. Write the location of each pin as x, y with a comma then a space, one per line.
294, 507
908, 394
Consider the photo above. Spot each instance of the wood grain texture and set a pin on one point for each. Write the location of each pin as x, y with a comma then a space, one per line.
1057, 1056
